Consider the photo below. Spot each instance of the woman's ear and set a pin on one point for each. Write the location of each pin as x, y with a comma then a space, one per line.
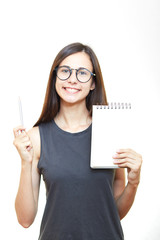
93, 85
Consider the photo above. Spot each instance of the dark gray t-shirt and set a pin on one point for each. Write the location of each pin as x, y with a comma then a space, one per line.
79, 200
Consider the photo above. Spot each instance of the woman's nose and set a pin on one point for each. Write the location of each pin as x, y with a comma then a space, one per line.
73, 78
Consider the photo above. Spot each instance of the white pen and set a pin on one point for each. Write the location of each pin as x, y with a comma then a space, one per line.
20, 112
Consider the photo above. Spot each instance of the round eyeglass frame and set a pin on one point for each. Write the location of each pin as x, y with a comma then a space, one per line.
70, 71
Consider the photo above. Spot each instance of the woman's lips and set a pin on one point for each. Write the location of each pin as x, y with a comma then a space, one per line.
71, 90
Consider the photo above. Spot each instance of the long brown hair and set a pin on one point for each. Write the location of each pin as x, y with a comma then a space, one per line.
51, 104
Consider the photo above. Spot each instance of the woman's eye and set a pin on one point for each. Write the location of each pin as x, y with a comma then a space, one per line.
64, 70
82, 72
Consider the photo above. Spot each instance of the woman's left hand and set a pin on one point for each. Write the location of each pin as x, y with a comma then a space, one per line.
132, 160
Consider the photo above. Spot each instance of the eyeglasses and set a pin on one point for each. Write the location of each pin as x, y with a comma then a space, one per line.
82, 74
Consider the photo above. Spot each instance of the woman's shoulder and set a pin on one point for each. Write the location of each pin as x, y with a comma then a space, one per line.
34, 133
34, 136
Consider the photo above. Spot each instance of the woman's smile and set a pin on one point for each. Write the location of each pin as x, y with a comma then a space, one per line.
71, 90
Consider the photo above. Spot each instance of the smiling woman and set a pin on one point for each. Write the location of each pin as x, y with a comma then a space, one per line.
70, 88
86, 58
81, 203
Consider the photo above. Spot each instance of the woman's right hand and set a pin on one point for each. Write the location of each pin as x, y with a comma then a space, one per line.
23, 144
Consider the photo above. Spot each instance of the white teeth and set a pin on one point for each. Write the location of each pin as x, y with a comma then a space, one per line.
71, 90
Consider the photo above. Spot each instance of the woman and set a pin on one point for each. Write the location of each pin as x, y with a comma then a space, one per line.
82, 203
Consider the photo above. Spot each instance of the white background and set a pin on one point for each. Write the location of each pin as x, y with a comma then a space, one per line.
125, 36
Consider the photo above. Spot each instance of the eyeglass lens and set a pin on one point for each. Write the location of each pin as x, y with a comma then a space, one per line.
83, 75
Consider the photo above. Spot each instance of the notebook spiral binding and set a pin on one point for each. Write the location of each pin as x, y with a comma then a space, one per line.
114, 105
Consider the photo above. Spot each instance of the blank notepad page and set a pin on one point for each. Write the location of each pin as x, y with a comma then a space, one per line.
112, 129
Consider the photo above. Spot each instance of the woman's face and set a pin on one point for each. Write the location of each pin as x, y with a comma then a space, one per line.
71, 90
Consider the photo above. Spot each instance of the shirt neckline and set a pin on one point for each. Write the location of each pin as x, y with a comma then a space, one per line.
70, 133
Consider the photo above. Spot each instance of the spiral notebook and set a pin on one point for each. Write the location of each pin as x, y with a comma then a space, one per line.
112, 129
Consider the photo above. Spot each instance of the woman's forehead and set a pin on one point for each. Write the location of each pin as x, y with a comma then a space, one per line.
76, 60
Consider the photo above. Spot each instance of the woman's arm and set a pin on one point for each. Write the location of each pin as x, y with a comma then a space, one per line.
124, 195
26, 203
